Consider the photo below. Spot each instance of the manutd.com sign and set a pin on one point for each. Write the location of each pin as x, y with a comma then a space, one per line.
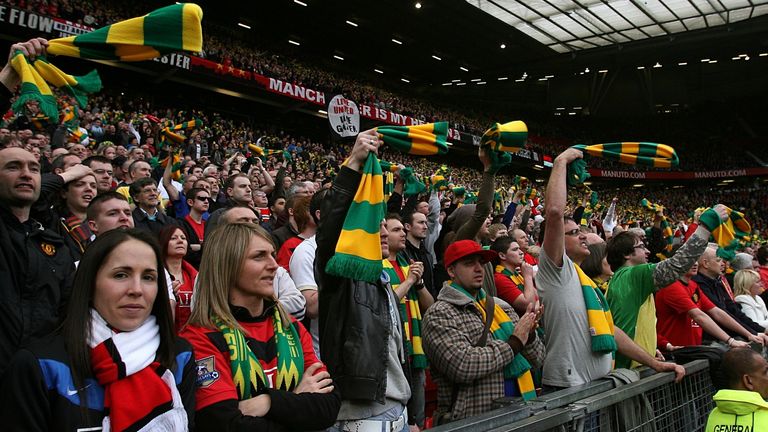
678, 175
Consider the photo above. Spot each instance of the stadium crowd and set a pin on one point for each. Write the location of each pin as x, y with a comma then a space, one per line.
144, 292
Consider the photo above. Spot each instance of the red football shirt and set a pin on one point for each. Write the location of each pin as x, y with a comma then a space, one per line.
214, 373
672, 305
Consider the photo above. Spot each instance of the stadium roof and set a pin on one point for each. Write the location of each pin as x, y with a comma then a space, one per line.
572, 25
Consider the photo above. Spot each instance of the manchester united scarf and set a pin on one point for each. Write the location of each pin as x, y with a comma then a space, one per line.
729, 233
632, 153
139, 394
503, 139
169, 29
501, 329
358, 250
599, 316
247, 372
410, 313
515, 277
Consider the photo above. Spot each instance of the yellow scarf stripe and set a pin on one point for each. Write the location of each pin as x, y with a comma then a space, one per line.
508, 137
728, 234
165, 30
599, 318
410, 313
421, 140
358, 250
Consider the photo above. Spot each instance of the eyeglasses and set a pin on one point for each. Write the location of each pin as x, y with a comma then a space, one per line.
202, 198
640, 246
573, 232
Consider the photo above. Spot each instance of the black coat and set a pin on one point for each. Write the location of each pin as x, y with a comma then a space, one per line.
354, 321
36, 271
36, 394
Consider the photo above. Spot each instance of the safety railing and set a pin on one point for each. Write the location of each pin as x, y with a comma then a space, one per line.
653, 403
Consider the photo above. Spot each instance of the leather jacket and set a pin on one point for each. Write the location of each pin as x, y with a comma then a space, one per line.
354, 321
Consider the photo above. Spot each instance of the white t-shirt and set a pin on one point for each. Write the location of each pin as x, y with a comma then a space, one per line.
570, 360
302, 268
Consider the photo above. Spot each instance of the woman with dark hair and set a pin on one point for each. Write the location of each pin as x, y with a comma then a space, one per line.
256, 366
114, 363
596, 266
173, 247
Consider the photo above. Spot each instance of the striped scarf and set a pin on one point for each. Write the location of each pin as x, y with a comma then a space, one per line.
163, 31
502, 329
264, 153
411, 183
175, 160
515, 277
78, 135
78, 230
40, 122
68, 116
169, 29
632, 153
410, 313
358, 250
248, 374
504, 139
599, 316
420, 140
728, 234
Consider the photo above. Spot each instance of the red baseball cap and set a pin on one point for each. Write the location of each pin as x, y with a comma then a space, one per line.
464, 248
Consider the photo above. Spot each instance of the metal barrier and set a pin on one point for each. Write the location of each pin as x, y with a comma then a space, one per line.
601, 407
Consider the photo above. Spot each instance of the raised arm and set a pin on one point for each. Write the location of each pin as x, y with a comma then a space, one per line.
668, 271
554, 205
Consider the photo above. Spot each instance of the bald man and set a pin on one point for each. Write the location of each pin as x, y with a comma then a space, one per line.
522, 239
711, 283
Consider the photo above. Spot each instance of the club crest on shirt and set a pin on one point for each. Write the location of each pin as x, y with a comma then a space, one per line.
206, 372
48, 249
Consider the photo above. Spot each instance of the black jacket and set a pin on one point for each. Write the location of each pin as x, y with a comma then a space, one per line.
192, 257
419, 253
354, 324
36, 271
141, 221
37, 392
715, 291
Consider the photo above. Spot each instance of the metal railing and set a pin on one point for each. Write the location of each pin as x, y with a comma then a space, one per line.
653, 403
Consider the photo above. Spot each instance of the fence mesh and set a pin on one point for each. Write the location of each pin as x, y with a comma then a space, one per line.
669, 408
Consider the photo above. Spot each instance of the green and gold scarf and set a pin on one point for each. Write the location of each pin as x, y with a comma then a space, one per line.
410, 313
728, 234
599, 318
247, 372
631, 153
358, 250
515, 277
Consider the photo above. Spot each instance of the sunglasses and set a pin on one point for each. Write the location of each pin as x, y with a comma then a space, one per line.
202, 198
573, 232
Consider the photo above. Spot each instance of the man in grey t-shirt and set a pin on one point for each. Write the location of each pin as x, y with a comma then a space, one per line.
570, 360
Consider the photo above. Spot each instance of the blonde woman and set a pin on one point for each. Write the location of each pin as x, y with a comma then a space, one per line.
256, 369
747, 288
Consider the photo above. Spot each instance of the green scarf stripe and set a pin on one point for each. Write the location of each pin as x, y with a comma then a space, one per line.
432, 135
418, 359
164, 31
648, 154
600, 324
247, 372
359, 216
411, 184
345, 262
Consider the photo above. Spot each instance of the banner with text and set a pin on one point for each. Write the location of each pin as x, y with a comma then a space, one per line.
678, 175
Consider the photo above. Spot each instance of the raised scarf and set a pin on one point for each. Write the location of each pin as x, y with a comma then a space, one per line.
515, 277
503, 139
410, 313
170, 133
247, 372
358, 250
265, 152
632, 153
175, 160
599, 318
729, 234
501, 329
165, 30
139, 394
